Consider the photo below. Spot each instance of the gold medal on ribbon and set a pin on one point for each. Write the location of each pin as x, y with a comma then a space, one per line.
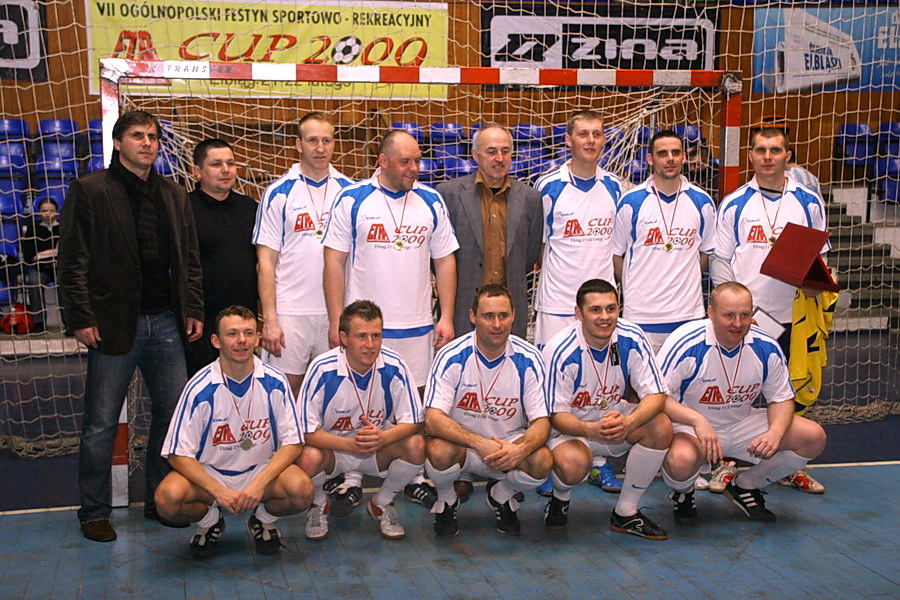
399, 244
319, 233
668, 246
246, 444
772, 239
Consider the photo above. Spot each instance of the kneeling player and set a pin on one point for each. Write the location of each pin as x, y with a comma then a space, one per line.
716, 368
590, 365
486, 414
232, 443
360, 412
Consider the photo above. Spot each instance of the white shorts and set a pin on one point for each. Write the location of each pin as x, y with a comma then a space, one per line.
547, 325
306, 337
596, 448
417, 352
235, 482
344, 462
475, 465
735, 437
656, 340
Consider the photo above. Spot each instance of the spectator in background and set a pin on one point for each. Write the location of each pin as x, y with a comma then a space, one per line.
702, 171
224, 220
39, 241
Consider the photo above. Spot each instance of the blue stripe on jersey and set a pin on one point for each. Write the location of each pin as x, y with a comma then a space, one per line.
672, 358
552, 189
763, 346
456, 352
206, 395
613, 186
700, 199
284, 185
287, 395
562, 356
633, 199
355, 194
526, 357
232, 473
639, 344
273, 384
737, 201
200, 379
662, 327
432, 200
399, 334
313, 374
411, 394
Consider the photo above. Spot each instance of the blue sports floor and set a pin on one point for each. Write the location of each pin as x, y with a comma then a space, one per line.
843, 544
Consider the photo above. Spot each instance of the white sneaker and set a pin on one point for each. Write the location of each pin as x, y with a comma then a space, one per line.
701, 483
317, 522
722, 476
386, 518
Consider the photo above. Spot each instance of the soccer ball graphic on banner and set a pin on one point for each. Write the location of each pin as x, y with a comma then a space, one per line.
346, 50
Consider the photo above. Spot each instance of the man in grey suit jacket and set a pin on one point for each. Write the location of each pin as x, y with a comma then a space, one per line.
498, 224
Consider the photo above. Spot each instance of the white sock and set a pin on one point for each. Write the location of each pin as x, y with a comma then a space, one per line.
466, 477
420, 476
681, 487
443, 482
210, 518
263, 515
599, 461
770, 470
320, 498
561, 491
353, 478
515, 481
641, 467
399, 474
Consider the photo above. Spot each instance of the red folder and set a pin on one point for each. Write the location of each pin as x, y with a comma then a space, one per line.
795, 259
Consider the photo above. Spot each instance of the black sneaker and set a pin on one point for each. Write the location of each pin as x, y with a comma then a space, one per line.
445, 522
206, 539
556, 513
507, 519
637, 524
421, 493
684, 508
330, 485
749, 501
266, 536
344, 498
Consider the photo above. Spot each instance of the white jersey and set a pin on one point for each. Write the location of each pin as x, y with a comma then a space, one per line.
291, 220
721, 384
235, 428
491, 398
390, 238
746, 221
660, 238
334, 398
578, 228
806, 179
587, 382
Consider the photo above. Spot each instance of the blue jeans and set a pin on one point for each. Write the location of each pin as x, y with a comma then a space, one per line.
159, 352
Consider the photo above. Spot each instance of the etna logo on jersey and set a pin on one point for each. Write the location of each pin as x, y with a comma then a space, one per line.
582, 399
654, 237
712, 395
469, 401
342, 424
223, 435
303, 223
573, 228
757, 235
377, 234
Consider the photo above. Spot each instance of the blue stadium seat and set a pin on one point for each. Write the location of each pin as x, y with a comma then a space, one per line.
94, 163
58, 149
690, 134
413, 129
12, 195
57, 128
446, 133
530, 153
520, 168
95, 130
856, 144
888, 133
458, 167
543, 166
13, 159
56, 168
644, 133
558, 135
448, 150
428, 171
164, 164
637, 171
887, 179
527, 134
14, 129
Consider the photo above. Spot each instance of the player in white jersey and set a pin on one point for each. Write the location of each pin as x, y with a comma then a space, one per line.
750, 220
716, 368
664, 233
486, 414
290, 224
606, 396
232, 442
379, 241
361, 412
579, 200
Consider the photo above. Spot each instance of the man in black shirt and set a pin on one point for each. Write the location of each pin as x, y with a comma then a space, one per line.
224, 220
40, 238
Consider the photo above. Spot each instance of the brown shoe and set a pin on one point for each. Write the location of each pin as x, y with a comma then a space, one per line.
463, 489
98, 531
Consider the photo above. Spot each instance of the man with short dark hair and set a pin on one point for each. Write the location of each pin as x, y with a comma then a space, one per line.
591, 367
360, 412
224, 220
232, 443
486, 414
130, 282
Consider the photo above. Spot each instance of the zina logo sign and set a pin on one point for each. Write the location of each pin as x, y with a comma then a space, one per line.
599, 43
20, 34
813, 54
